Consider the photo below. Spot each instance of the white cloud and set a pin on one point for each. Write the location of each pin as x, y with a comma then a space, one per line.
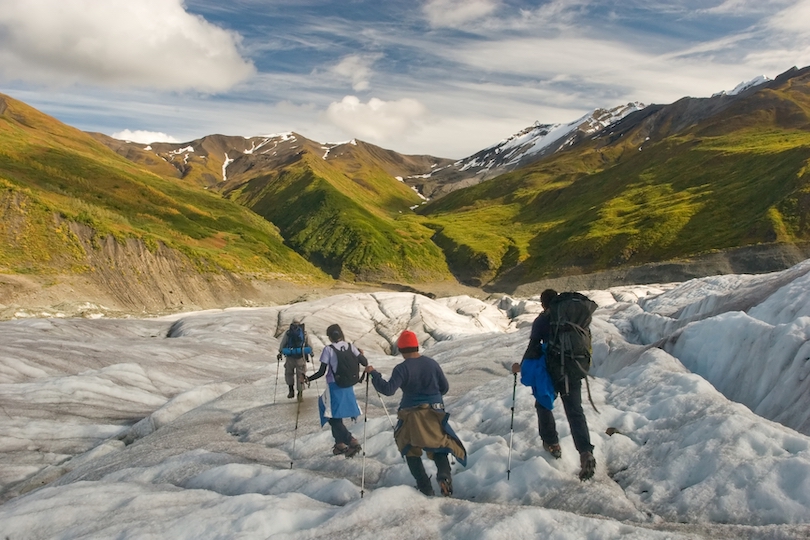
143, 137
787, 35
122, 43
455, 13
795, 18
604, 69
733, 7
356, 68
376, 120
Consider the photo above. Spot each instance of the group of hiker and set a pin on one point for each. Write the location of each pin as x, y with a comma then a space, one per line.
555, 362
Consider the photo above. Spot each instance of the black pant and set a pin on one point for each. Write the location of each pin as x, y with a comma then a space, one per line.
417, 469
572, 403
340, 432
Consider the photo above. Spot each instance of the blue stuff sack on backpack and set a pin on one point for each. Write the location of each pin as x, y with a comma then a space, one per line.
533, 373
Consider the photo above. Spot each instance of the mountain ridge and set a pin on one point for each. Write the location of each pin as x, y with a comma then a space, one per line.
625, 187
521, 149
302, 187
625, 195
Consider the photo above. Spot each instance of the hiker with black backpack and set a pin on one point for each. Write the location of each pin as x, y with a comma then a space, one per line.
295, 347
561, 336
340, 362
422, 420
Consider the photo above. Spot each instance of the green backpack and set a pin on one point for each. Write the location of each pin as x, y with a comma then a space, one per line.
568, 352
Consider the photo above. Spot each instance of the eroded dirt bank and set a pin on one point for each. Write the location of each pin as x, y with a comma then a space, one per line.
127, 279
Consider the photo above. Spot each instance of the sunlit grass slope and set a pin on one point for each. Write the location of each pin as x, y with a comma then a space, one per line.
52, 175
356, 226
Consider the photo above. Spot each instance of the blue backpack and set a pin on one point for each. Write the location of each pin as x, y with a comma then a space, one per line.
296, 339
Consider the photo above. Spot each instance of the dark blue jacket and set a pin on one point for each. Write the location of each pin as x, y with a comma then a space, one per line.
541, 332
421, 380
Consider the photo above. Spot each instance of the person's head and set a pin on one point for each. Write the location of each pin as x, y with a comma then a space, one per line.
296, 322
334, 333
546, 297
407, 342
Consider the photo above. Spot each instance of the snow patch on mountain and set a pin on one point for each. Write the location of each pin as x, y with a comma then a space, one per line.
743, 86
254, 147
533, 142
331, 146
227, 162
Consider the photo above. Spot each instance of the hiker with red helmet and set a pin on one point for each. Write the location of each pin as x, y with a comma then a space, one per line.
422, 419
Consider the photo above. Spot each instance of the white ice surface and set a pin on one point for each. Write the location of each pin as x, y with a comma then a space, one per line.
176, 428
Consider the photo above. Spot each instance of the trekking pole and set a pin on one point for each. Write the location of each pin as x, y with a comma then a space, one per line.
393, 429
511, 428
386, 410
365, 421
278, 363
295, 433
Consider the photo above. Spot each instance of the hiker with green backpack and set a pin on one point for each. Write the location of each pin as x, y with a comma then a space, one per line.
556, 361
340, 362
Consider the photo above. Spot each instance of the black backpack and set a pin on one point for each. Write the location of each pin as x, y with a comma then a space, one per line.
568, 352
347, 373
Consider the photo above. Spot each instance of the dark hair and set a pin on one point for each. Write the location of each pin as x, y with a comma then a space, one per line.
547, 296
405, 350
334, 333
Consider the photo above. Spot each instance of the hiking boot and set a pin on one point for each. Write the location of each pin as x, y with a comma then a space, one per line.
446, 486
588, 463
353, 448
427, 491
340, 448
553, 449
425, 487
291, 393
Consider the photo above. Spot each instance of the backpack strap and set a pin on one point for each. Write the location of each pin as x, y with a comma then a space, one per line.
588, 387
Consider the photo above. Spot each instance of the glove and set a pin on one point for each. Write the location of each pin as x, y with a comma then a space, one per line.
278, 357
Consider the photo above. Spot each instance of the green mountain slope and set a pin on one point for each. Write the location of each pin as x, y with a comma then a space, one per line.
339, 205
62, 194
668, 182
345, 214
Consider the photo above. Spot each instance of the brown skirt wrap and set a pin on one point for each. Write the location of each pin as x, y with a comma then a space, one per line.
425, 428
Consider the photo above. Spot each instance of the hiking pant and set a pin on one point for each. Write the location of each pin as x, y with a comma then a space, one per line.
294, 365
417, 469
572, 403
340, 432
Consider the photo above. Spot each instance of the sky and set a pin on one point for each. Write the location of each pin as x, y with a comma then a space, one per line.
176, 427
440, 77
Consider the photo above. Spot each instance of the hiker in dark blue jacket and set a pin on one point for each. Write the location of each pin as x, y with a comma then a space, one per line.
571, 400
422, 420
